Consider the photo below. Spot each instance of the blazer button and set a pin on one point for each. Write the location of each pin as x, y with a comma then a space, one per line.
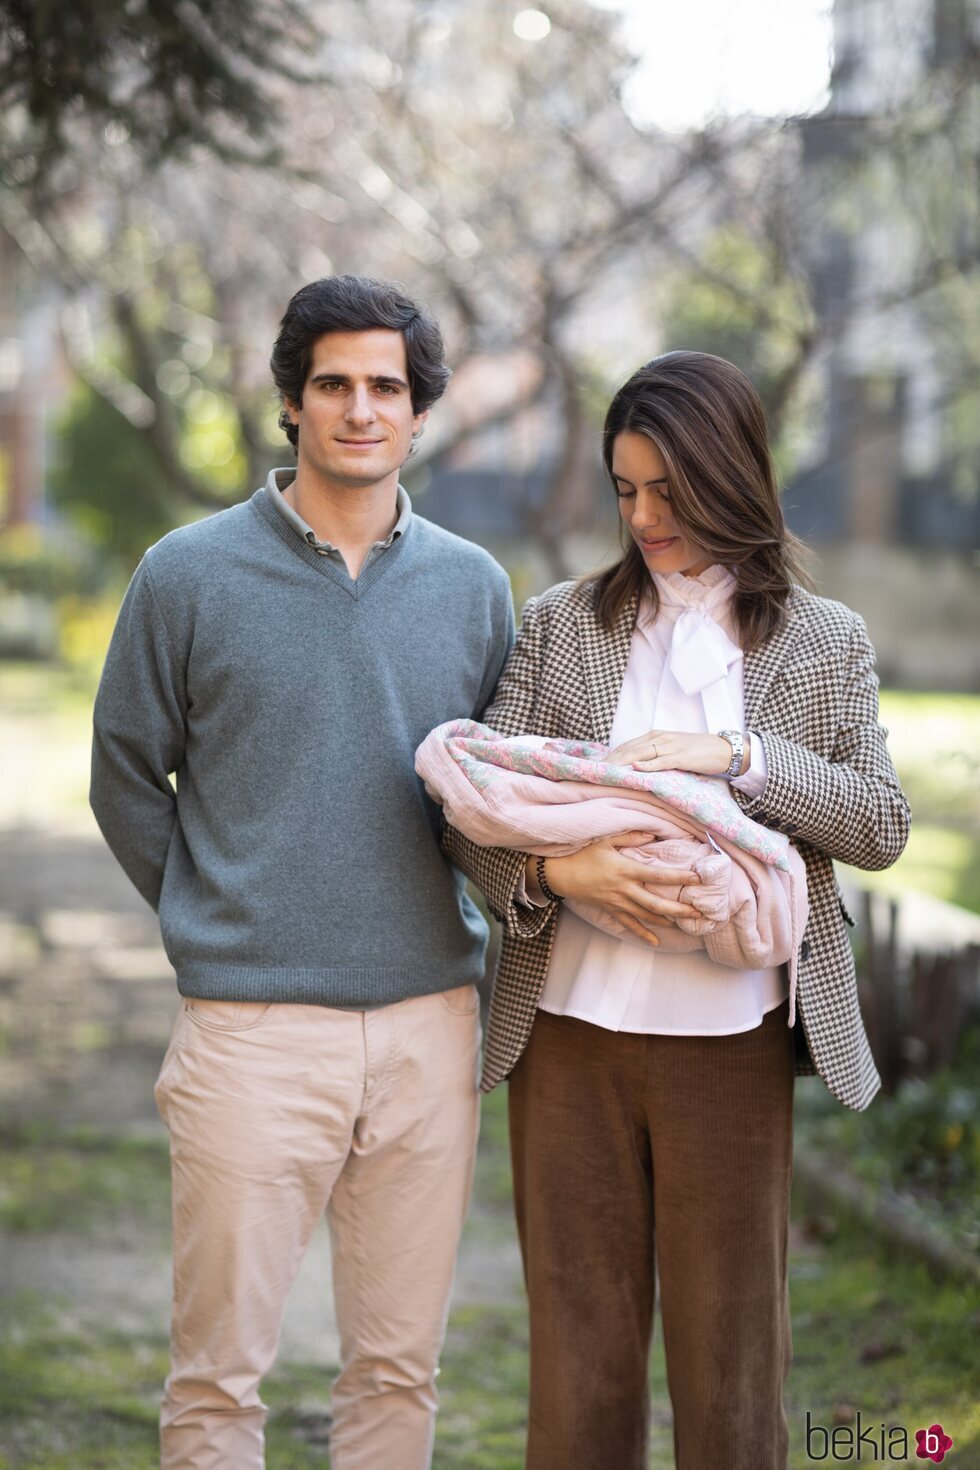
805, 950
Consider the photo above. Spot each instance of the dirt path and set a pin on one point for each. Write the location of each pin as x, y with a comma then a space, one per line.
87, 999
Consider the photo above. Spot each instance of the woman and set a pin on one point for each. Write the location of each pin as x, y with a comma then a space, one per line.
651, 1095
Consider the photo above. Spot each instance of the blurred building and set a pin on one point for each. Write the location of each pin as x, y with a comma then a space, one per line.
887, 487
886, 466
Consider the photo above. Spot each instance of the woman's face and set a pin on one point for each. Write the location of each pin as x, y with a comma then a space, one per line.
643, 491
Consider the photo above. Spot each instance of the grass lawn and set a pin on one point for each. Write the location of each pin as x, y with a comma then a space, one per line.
872, 1334
935, 743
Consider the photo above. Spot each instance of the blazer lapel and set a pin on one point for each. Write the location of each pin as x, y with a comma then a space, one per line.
604, 656
761, 665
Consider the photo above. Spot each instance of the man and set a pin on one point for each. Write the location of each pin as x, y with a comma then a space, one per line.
283, 659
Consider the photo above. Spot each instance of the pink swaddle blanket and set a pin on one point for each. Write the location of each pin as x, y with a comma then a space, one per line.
553, 797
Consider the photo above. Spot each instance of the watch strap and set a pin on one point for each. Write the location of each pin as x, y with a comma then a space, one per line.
736, 740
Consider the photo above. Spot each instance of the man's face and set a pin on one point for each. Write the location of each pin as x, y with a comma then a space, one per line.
356, 422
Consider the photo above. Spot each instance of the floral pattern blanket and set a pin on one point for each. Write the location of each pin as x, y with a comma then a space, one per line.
552, 797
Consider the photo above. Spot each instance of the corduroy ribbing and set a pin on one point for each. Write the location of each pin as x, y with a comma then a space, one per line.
630, 1148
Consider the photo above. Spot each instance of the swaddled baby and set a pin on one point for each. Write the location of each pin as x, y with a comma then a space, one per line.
552, 797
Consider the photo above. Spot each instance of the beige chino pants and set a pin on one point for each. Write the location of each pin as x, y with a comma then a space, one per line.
278, 1113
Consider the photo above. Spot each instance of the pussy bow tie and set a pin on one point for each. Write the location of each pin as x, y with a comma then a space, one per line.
701, 652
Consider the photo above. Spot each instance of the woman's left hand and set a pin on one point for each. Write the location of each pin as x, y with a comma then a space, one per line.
675, 750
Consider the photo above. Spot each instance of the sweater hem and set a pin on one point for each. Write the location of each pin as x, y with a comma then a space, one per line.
348, 988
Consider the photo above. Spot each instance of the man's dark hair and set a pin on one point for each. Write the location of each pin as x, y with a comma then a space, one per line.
355, 304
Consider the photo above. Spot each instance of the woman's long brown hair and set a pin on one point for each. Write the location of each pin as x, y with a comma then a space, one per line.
708, 423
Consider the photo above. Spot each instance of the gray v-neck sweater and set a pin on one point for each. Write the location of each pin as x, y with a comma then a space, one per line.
298, 858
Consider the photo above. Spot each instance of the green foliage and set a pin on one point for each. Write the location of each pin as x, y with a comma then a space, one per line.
943, 853
923, 1142
742, 287
940, 861
945, 788
42, 570
930, 1134
141, 72
39, 561
742, 305
85, 626
155, 430
112, 484
209, 443
108, 481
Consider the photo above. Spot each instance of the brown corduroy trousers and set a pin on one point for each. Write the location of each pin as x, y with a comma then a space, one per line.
625, 1147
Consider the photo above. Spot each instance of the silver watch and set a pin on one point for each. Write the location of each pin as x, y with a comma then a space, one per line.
737, 742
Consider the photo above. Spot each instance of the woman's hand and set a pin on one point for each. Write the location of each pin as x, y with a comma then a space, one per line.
678, 750
603, 873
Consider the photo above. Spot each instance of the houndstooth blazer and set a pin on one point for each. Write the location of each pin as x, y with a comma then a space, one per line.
811, 694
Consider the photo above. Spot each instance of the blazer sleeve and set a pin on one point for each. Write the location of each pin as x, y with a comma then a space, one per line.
849, 806
498, 870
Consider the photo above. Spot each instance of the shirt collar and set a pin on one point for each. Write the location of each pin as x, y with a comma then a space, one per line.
280, 480
710, 592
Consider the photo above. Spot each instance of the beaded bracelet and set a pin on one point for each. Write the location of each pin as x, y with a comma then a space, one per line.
549, 893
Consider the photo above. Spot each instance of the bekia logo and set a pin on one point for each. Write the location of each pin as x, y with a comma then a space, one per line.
874, 1443
932, 1443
